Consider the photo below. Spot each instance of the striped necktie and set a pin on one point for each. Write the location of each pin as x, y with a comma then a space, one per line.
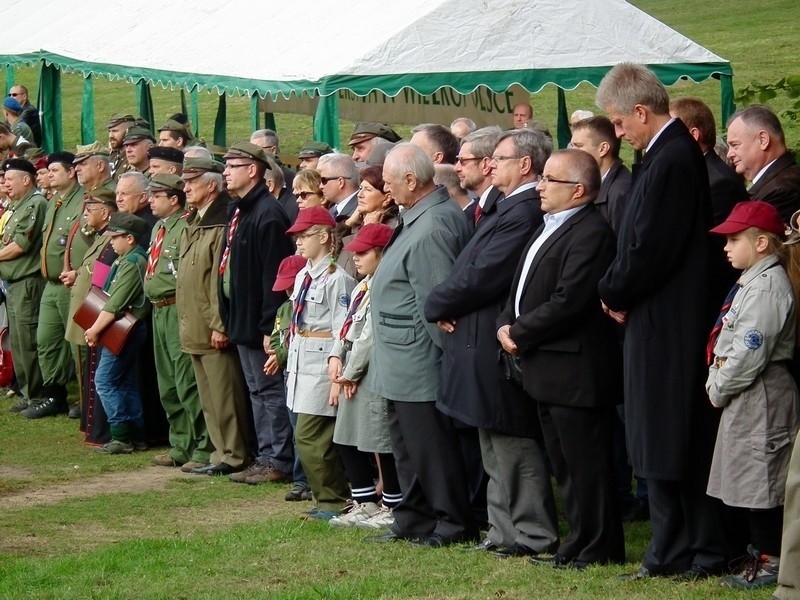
226, 254
155, 252
348, 320
299, 305
712, 337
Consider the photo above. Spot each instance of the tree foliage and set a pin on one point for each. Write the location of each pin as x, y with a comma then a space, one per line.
763, 93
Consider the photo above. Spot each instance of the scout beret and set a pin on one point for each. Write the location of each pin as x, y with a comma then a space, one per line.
40, 163
137, 134
101, 195
19, 164
126, 224
246, 150
119, 118
312, 149
165, 182
61, 157
12, 104
287, 271
166, 153
93, 149
373, 235
308, 217
364, 131
752, 213
194, 167
173, 125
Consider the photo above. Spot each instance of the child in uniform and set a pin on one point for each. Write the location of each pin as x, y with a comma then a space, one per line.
748, 352
321, 297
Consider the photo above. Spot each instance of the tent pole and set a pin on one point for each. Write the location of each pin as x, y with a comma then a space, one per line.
195, 110
49, 99
87, 111
9, 78
563, 132
254, 126
219, 123
145, 103
726, 97
326, 120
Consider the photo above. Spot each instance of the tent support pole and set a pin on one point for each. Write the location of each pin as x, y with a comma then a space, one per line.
219, 122
326, 120
87, 111
194, 117
9, 78
254, 120
563, 132
145, 103
726, 97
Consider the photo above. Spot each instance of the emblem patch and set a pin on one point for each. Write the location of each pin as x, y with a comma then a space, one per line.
344, 300
753, 339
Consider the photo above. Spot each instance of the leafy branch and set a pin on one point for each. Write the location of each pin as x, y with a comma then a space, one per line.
762, 93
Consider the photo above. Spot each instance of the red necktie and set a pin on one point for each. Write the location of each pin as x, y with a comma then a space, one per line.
478, 213
155, 252
231, 232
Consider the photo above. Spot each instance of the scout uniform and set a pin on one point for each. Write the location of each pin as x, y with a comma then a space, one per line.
116, 158
23, 282
95, 149
179, 128
176, 381
134, 135
172, 156
364, 131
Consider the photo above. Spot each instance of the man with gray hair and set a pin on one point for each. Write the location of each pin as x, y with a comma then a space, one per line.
268, 141
475, 172
437, 141
132, 198
657, 284
340, 181
93, 168
404, 366
461, 127
757, 148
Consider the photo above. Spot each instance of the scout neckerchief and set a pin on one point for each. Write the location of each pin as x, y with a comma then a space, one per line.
300, 304
348, 320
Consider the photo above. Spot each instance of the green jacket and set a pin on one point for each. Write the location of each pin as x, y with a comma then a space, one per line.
125, 286
25, 228
163, 282
63, 211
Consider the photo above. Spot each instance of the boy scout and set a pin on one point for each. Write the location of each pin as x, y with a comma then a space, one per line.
176, 382
63, 213
19, 270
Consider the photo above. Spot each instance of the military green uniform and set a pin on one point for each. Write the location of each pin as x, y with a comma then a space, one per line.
21, 129
177, 387
118, 163
24, 286
62, 216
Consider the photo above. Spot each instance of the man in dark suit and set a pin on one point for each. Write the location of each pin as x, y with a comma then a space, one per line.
757, 148
657, 284
340, 181
473, 389
553, 320
596, 136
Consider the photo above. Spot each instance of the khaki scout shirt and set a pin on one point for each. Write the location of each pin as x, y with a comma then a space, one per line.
163, 282
126, 288
63, 212
25, 228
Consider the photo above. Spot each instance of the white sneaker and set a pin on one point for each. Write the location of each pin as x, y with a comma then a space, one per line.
359, 512
380, 520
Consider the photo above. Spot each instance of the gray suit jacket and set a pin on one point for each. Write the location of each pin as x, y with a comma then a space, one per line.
407, 351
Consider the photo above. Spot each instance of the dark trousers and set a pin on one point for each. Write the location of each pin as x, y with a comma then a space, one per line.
579, 443
431, 473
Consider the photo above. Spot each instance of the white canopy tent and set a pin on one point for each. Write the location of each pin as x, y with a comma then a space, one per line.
276, 50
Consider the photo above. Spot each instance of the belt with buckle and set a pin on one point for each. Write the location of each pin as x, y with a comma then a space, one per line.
718, 362
163, 302
314, 334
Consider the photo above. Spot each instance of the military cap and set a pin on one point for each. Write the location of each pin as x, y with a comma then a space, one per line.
101, 195
126, 224
33, 153
141, 122
173, 125
93, 149
118, 119
218, 152
19, 164
314, 149
61, 157
166, 153
137, 134
364, 131
194, 167
12, 104
165, 182
246, 150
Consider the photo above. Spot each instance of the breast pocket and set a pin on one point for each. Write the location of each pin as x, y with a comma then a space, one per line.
395, 329
314, 303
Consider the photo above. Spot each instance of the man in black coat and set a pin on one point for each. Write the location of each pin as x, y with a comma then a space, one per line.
570, 363
657, 284
757, 148
466, 305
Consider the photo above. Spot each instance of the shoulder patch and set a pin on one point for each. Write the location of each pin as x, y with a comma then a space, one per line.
753, 339
344, 300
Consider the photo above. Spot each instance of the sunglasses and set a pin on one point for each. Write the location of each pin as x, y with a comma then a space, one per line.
304, 195
325, 180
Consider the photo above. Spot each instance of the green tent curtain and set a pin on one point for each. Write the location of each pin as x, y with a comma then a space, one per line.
87, 111
254, 112
728, 107
219, 123
194, 115
9, 79
270, 121
184, 109
326, 120
145, 102
563, 131
50, 107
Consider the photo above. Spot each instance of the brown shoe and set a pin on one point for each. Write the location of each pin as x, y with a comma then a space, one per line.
192, 464
255, 469
165, 460
271, 475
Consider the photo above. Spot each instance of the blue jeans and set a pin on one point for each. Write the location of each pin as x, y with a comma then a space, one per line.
115, 382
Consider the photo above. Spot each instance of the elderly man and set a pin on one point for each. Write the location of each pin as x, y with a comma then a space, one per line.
20, 262
554, 323
473, 388
757, 149
117, 125
405, 360
132, 198
437, 141
93, 168
255, 244
657, 284
340, 181
268, 141
62, 219
521, 114
30, 114
136, 144
203, 336
462, 127
177, 388
365, 136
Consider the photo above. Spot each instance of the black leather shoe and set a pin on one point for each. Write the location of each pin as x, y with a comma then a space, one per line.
218, 469
74, 412
437, 540
514, 550
49, 407
697, 573
486, 546
642, 573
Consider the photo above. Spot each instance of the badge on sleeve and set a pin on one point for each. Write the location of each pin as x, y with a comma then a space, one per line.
753, 339
344, 300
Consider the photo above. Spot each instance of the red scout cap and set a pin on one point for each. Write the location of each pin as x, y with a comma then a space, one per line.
752, 213
287, 271
308, 217
374, 235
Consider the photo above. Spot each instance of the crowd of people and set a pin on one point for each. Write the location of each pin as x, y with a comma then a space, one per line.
418, 336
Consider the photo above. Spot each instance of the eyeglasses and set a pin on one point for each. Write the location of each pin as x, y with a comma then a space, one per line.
230, 166
325, 180
13, 95
465, 159
304, 195
303, 236
502, 158
547, 179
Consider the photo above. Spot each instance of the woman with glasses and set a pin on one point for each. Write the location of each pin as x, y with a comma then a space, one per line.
306, 188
